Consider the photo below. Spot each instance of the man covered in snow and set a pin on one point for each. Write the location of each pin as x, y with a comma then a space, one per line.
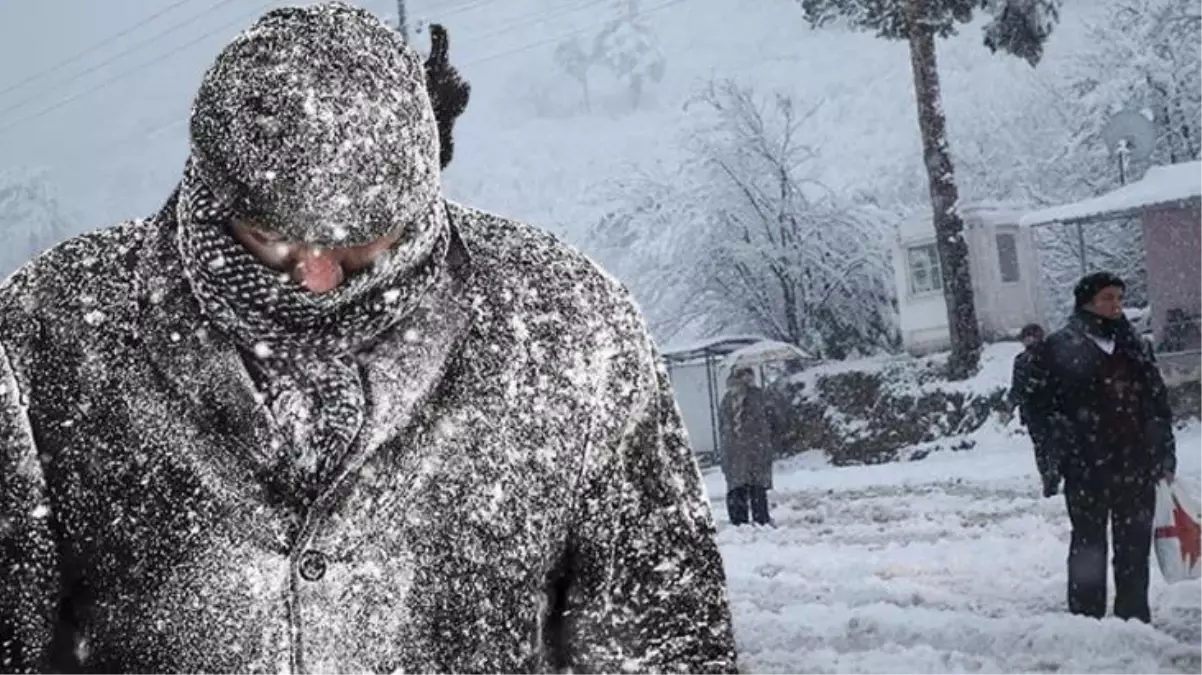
312, 417
749, 429
1110, 438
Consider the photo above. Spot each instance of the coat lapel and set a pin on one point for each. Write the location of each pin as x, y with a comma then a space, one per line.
404, 370
202, 368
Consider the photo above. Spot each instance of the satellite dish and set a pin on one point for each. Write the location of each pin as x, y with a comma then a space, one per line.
1131, 133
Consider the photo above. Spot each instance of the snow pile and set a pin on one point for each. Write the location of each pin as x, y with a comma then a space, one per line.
953, 564
888, 408
1161, 185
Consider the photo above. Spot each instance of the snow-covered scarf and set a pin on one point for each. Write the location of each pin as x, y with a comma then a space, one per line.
300, 345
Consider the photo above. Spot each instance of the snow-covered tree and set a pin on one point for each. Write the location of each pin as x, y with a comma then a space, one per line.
737, 236
1019, 27
740, 238
628, 46
31, 219
786, 257
1143, 55
571, 57
649, 240
1028, 150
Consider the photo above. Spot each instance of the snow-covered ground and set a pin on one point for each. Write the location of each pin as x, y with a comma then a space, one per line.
951, 564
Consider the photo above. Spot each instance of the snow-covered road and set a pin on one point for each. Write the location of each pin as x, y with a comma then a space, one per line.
951, 564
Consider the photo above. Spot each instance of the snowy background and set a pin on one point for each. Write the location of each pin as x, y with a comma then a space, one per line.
93, 100
955, 563
950, 564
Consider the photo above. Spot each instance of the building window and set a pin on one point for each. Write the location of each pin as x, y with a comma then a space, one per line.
1007, 257
924, 269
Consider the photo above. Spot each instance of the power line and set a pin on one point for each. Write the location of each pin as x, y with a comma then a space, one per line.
126, 73
75, 57
464, 7
135, 47
179, 122
540, 43
538, 17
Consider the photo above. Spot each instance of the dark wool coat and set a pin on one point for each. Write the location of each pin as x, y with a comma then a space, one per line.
750, 436
1019, 395
522, 496
1072, 400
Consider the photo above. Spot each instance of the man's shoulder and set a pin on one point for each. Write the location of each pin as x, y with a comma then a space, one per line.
79, 280
520, 265
1066, 337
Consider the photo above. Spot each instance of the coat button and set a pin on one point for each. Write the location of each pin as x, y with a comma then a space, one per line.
312, 565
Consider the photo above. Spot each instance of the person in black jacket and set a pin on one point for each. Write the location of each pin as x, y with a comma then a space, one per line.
1021, 382
1105, 406
1032, 336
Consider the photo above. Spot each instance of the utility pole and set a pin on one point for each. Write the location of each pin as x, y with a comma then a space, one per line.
402, 21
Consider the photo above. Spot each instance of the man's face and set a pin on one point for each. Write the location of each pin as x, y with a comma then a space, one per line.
320, 269
1032, 340
1108, 303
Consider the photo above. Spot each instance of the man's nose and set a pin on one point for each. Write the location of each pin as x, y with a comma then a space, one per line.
319, 269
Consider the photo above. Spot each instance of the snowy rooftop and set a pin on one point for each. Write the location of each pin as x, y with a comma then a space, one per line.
1161, 186
975, 214
720, 345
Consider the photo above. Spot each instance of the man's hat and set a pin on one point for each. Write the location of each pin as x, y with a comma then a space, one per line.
1090, 285
315, 124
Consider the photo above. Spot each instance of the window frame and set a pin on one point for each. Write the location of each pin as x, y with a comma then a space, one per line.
934, 267
1018, 268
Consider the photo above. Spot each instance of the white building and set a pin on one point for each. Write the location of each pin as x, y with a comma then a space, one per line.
1004, 269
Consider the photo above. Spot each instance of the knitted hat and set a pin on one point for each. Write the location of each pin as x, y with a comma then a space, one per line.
1090, 285
315, 123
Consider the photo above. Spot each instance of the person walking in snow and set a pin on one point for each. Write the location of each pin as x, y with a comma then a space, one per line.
313, 417
1110, 437
749, 434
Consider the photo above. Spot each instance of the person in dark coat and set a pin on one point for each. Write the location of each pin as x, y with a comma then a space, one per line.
1106, 408
1031, 336
1020, 397
749, 433
314, 417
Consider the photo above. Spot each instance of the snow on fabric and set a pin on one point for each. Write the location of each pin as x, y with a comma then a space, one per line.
332, 145
516, 493
1177, 539
1161, 185
521, 497
950, 564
